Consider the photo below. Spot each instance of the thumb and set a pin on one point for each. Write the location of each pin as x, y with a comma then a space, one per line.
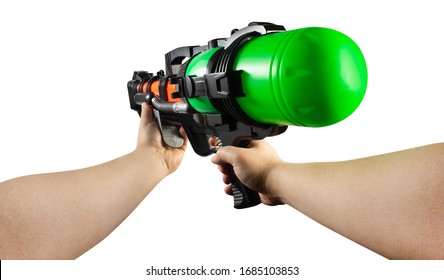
226, 155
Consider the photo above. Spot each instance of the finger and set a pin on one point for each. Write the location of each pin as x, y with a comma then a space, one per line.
146, 116
223, 169
228, 190
226, 179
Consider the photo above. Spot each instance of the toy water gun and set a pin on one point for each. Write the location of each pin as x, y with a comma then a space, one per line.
252, 85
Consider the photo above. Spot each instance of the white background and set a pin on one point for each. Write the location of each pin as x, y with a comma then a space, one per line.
64, 66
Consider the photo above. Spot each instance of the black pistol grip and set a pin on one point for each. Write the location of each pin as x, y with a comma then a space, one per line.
244, 197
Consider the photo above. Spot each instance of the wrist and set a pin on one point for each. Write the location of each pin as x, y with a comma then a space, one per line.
153, 160
274, 181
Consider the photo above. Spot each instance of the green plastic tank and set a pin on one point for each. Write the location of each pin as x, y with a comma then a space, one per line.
307, 77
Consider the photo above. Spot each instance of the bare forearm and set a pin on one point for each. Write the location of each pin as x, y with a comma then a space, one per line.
62, 215
392, 204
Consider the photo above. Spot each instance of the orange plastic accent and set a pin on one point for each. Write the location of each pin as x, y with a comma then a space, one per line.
144, 86
154, 88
